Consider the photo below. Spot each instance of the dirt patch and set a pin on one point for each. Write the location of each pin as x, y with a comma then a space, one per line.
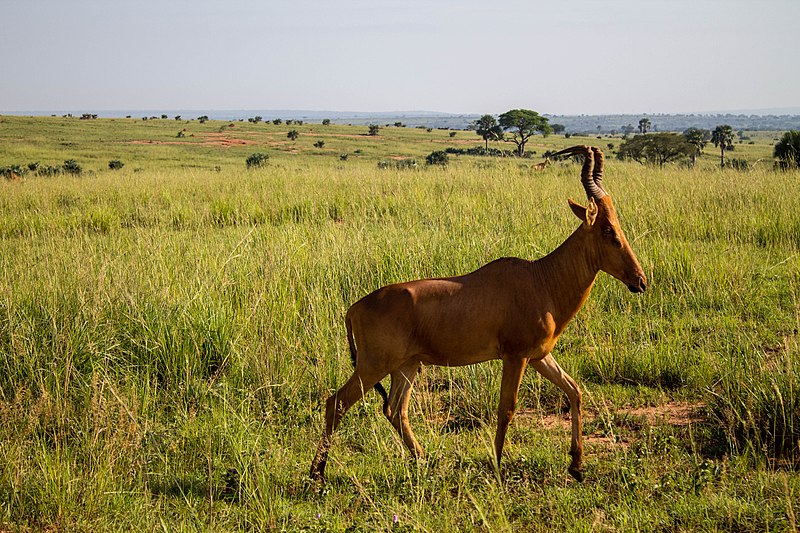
677, 414
222, 140
673, 414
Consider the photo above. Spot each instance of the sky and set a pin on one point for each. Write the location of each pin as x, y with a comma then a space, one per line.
458, 56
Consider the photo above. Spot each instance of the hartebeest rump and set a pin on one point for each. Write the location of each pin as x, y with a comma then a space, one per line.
509, 309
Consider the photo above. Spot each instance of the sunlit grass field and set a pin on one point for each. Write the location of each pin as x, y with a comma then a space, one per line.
169, 333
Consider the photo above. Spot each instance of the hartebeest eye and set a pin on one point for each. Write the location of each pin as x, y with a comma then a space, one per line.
611, 235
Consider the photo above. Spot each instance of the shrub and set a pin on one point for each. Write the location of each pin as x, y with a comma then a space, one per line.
115, 164
33, 166
400, 164
71, 166
453, 133
480, 151
319, 144
257, 160
373, 129
787, 150
437, 158
738, 164
12, 171
293, 135
343, 157
49, 170
326, 122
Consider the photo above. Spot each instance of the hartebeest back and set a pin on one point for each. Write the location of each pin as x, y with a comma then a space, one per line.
510, 309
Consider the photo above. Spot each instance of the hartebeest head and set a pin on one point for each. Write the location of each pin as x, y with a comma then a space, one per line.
612, 252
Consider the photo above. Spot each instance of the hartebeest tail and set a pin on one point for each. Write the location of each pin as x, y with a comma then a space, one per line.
510, 309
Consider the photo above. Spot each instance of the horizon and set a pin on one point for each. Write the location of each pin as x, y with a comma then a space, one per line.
339, 115
623, 57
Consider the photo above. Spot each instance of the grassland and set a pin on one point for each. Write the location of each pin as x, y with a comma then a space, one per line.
168, 323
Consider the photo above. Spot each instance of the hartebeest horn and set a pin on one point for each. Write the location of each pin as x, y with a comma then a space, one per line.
592, 172
597, 173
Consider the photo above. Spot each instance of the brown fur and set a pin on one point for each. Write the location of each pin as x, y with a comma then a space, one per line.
510, 309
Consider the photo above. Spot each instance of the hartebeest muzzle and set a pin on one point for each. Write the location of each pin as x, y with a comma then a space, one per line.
639, 286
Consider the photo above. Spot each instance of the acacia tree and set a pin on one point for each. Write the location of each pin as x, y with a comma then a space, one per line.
644, 125
488, 128
656, 149
722, 137
698, 138
523, 124
788, 149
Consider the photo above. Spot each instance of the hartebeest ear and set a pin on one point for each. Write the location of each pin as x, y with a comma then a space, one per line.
586, 214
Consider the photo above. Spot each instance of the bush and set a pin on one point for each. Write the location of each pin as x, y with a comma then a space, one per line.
738, 164
787, 150
257, 160
373, 129
437, 158
115, 164
319, 144
70, 166
293, 135
49, 170
400, 164
12, 171
480, 151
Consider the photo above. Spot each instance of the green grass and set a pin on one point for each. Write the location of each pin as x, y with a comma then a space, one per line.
183, 316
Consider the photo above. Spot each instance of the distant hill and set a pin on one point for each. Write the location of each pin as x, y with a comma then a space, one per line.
589, 124
778, 119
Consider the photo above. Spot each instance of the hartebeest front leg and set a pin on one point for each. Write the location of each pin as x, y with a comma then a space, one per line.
550, 370
513, 369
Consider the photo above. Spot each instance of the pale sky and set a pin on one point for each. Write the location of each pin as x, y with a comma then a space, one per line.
460, 56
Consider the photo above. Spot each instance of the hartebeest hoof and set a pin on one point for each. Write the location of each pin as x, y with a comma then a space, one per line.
577, 474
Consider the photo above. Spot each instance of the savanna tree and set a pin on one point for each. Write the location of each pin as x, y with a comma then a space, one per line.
488, 128
644, 125
656, 149
373, 129
698, 138
722, 137
523, 124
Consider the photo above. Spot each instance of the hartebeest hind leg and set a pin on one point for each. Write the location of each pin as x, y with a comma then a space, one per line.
513, 369
397, 406
335, 407
550, 369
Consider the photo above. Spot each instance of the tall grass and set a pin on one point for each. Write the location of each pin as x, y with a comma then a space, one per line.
160, 329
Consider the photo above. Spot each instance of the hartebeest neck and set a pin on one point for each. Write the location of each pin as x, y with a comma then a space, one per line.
568, 273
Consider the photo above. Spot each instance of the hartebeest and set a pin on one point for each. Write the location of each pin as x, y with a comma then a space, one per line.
541, 166
509, 309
